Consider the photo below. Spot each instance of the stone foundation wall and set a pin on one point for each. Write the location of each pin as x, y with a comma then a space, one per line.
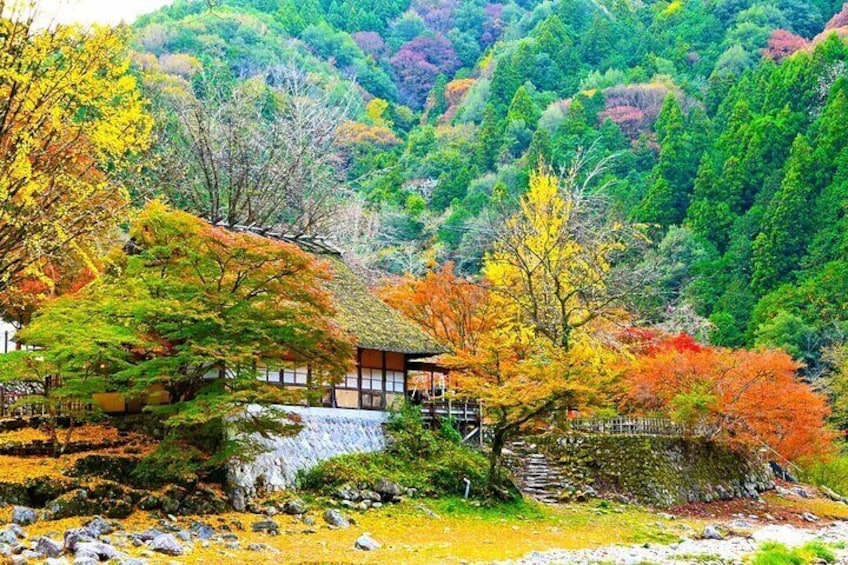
663, 471
326, 433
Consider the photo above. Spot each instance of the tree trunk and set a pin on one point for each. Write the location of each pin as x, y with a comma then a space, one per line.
498, 442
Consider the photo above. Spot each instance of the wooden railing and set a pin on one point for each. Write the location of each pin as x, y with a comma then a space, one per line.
636, 426
12, 394
460, 411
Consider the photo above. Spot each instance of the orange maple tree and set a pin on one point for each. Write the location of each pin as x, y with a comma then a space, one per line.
453, 310
749, 397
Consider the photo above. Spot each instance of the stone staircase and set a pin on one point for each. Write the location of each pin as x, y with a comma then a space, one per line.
538, 475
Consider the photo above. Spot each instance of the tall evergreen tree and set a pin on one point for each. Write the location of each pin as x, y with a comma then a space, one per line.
782, 241
668, 198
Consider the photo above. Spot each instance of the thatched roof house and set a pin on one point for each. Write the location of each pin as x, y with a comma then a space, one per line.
386, 341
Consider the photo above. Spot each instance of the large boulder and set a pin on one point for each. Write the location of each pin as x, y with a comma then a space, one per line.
712, 532
202, 531
41, 490
11, 534
95, 550
266, 526
110, 467
389, 490
295, 507
14, 493
99, 526
76, 536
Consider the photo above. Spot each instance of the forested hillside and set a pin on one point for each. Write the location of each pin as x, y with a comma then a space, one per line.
718, 125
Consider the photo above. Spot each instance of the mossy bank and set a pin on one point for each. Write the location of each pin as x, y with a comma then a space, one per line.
662, 471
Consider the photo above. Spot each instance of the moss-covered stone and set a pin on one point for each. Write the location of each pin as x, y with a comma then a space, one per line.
109, 467
14, 493
657, 470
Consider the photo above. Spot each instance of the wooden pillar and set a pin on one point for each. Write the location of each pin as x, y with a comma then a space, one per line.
383, 392
359, 375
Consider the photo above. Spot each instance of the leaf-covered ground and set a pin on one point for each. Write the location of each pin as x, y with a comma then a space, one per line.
459, 533
447, 531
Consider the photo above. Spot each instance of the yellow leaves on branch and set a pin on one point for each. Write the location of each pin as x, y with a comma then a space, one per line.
72, 121
550, 265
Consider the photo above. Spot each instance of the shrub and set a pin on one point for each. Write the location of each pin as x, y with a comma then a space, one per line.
434, 462
832, 474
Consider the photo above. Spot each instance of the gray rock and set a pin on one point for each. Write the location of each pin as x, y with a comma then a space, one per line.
99, 526
740, 524
238, 499
336, 519
267, 526
147, 535
810, 517
19, 560
295, 507
95, 550
86, 560
132, 561
388, 489
56, 561
49, 547
347, 492
167, 544
261, 547
76, 536
24, 516
309, 520
366, 543
8, 536
184, 535
712, 532
202, 531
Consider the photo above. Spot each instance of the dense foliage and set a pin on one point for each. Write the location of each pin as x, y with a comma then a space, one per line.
190, 302
589, 165
72, 121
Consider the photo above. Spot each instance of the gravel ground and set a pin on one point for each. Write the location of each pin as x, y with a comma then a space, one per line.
696, 551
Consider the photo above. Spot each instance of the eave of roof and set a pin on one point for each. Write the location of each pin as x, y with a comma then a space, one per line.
370, 321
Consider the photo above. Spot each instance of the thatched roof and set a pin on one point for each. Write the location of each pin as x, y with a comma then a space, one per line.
372, 322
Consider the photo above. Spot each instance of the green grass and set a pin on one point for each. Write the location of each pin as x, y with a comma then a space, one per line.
779, 554
518, 509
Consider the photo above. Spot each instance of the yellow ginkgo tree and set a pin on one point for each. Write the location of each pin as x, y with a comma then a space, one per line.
554, 294
72, 121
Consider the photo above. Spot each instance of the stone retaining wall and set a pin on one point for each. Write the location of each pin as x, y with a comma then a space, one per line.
664, 471
326, 433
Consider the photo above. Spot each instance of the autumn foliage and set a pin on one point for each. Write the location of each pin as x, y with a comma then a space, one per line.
67, 133
454, 310
752, 398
